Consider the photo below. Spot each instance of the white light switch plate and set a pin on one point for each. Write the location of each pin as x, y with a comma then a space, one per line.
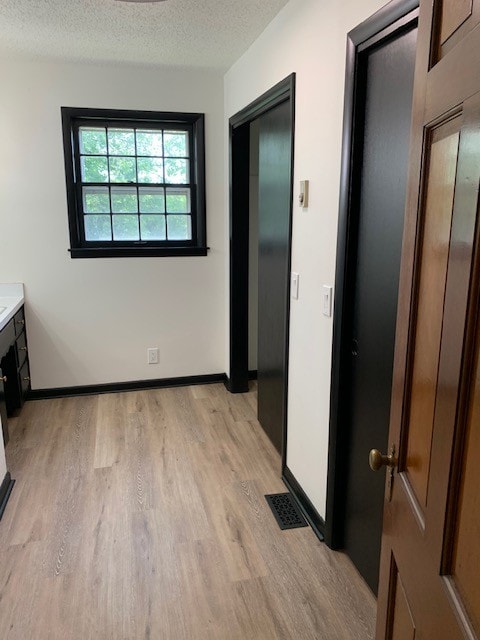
327, 300
294, 285
303, 195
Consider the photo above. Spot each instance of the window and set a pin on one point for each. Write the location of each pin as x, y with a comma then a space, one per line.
135, 183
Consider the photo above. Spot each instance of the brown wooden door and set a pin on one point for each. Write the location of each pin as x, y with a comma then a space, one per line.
430, 564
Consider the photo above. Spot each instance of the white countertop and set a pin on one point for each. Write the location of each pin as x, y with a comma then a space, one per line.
11, 299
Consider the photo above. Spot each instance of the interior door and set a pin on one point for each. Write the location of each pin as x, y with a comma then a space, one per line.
274, 180
429, 585
388, 76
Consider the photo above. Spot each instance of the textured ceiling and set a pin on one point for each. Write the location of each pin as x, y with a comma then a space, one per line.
198, 33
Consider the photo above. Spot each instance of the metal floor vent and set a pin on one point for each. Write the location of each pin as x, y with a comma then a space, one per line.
285, 510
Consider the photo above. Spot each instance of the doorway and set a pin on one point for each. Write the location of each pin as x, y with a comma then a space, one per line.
268, 122
376, 143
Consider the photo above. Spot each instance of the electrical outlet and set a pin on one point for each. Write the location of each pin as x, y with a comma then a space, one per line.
152, 355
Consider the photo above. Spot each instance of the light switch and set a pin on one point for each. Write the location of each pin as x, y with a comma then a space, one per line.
327, 300
294, 287
303, 195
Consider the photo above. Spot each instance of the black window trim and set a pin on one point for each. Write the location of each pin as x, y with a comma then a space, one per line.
72, 118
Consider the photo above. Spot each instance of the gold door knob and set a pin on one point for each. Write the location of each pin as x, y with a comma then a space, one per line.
377, 460
4, 378
27, 378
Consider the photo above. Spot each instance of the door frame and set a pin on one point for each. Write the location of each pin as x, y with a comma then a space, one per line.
239, 178
394, 15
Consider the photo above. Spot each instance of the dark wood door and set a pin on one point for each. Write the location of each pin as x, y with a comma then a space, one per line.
274, 176
387, 104
429, 581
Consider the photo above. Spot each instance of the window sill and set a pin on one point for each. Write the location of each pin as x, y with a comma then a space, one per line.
134, 252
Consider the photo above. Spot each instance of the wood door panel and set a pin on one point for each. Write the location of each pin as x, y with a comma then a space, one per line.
433, 274
454, 379
457, 19
454, 13
458, 335
414, 562
463, 82
466, 559
402, 626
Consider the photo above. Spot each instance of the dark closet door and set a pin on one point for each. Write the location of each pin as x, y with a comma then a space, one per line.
275, 156
380, 206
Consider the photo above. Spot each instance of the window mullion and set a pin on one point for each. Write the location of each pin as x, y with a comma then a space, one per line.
109, 185
165, 215
136, 186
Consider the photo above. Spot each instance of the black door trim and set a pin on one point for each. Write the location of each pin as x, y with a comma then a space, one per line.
239, 151
283, 90
395, 14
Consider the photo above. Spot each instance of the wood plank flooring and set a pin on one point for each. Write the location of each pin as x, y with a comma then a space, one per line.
141, 516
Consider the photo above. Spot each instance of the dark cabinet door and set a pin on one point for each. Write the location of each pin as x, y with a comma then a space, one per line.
13, 392
3, 409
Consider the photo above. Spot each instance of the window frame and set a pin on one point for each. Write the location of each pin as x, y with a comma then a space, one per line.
75, 117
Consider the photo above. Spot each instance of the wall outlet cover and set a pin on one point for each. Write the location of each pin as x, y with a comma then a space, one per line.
152, 355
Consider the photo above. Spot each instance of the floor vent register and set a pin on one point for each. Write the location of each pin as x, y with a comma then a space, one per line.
286, 511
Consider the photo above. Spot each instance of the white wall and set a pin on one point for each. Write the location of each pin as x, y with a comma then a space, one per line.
307, 37
90, 321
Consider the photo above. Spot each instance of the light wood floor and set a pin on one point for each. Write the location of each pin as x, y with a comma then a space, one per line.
141, 516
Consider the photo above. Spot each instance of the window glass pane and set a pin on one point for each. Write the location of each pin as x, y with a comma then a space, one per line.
124, 200
97, 228
179, 227
176, 171
176, 143
93, 141
152, 200
122, 170
94, 169
150, 170
178, 200
121, 142
96, 200
125, 228
152, 227
149, 143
